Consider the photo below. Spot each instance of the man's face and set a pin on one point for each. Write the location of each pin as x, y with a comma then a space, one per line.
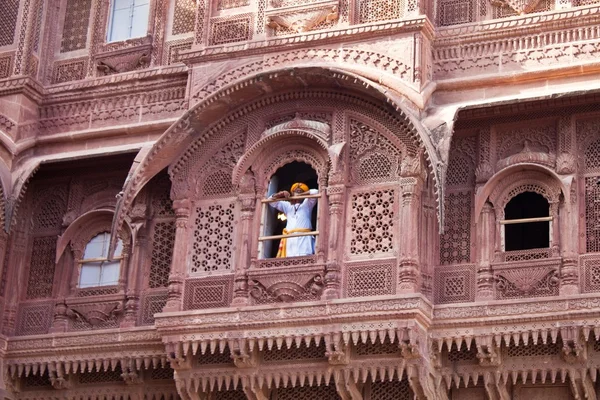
296, 192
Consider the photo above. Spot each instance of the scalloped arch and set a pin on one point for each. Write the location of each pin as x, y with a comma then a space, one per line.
217, 105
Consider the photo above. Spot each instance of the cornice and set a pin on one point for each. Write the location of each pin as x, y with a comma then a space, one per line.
518, 26
22, 84
318, 38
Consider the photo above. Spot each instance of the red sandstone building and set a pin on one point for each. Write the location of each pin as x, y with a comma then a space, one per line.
455, 145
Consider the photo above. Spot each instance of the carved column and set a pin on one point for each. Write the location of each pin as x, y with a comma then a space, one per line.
568, 242
335, 196
410, 209
176, 277
247, 199
485, 234
133, 272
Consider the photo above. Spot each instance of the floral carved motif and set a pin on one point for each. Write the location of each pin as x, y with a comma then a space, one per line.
286, 287
302, 21
95, 314
520, 6
526, 282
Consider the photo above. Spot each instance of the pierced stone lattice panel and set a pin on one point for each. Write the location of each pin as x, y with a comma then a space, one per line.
295, 353
8, 21
6, 65
454, 284
163, 240
230, 395
173, 48
380, 10
308, 393
464, 355
370, 280
208, 293
377, 348
36, 381
372, 222
77, 17
213, 238
41, 268
533, 350
227, 4
391, 390
453, 12
592, 215
590, 273
161, 373
217, 183
184, 17
216, 358
455, 242
230, 30
153, 303
591, 155
34, 319
100, 376
70, 70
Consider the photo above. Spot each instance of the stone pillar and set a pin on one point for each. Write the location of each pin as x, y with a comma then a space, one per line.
132, 292
176, 277
335, 195
569, 245
410, 209
485, 246
248, 203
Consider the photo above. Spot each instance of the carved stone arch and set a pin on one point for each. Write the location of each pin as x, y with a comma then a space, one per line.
102, 199
258, 89
85, 227
307, 146
508, 178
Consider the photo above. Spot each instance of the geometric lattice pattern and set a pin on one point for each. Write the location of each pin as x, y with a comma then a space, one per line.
152, 304
592, 157
464, 354
308, 393
394, 390
380, 10
50, 214
231, 30
77, 17
163, 239
374, 167
213, 238
208, 293
36, 381
101, 376
41, 269
8, 21
226, 4
6, 64
372, 222
217, 183
35, 319
452, 12
216, 358
295, 353
370, 280
183, 19
231, 395
590, 270
454, 284
455, 242
73, 70
592, 215
533, 350
377, 348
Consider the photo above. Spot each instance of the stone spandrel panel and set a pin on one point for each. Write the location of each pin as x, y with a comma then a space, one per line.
8, 22
75, 28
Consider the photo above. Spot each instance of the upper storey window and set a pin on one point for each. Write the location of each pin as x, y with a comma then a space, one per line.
128, 19
96, 269
290, 221
527, 223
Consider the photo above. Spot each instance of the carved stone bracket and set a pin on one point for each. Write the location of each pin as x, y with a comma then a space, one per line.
95, 314
302, 20
526, 282
124, 60
286, 286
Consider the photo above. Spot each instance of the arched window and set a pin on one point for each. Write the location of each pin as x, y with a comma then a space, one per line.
275, 219
527, 223
96, 269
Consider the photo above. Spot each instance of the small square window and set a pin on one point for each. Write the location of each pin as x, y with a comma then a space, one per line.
96, 269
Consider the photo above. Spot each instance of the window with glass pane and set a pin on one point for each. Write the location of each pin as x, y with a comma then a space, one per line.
128, 19
96, 270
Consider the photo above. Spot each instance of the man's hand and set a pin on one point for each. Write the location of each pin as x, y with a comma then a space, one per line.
284, 194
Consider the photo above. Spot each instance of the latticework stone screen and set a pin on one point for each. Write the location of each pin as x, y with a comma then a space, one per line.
183, 18
308, 393
213, 238
41, 269
34, 319
455, 242
208, 293
370, 280
372, 222
8, 21
75, 29
237, 29
454, 284
380, 10
163, 239
592, 197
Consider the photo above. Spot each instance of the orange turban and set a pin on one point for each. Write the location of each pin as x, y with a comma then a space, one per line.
300, 185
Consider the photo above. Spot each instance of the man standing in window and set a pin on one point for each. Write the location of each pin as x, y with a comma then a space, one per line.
298, 214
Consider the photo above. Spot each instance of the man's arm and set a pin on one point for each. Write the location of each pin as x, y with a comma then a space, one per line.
313, 201
280, 205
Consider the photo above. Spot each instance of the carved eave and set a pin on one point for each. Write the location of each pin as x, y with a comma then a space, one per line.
200, 330
317, 38
77, 352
